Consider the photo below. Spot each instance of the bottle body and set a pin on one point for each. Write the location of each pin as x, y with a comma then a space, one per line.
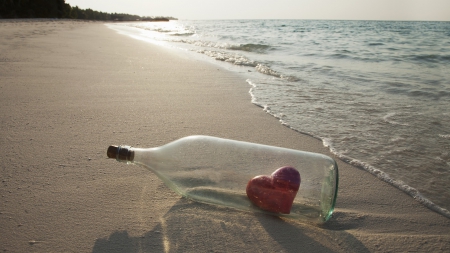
217, 171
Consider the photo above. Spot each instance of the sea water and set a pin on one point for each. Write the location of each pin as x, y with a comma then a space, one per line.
377, 93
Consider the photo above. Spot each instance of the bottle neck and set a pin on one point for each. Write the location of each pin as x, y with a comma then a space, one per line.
121, 153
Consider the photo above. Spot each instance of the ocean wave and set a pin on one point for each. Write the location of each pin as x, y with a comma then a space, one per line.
182, 34
388, 119
240, 60
230, 58
340, 56
445, 136
268, 71
167, 29
431, 58
257, 48
421, 93
160, 30
202, 43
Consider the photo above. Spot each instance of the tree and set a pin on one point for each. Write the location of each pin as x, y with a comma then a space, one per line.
60, 9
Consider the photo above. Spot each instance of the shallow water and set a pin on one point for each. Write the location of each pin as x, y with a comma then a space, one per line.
376, 92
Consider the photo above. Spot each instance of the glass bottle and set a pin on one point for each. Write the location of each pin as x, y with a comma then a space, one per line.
219, 171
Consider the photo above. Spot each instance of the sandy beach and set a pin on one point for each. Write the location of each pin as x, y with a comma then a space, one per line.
69, 89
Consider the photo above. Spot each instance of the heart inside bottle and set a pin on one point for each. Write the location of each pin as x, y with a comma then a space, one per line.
275, 193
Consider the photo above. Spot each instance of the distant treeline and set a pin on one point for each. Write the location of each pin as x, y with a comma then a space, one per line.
60, 9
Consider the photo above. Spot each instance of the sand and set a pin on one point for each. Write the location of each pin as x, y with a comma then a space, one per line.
69, 89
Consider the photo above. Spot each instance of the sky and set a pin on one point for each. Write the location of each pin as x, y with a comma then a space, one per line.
432, 10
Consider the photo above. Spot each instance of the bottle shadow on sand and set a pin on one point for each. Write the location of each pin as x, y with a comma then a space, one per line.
191, 226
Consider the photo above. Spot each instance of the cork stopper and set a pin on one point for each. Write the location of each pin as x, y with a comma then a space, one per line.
112, 151
120, 153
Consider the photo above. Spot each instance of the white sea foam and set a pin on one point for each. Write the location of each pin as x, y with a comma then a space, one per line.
235, 59
251, 93
388, 118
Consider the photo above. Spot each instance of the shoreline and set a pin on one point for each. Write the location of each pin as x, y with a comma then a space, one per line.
69, 94
378, 172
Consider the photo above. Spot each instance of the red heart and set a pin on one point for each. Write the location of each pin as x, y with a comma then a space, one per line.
275, 193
